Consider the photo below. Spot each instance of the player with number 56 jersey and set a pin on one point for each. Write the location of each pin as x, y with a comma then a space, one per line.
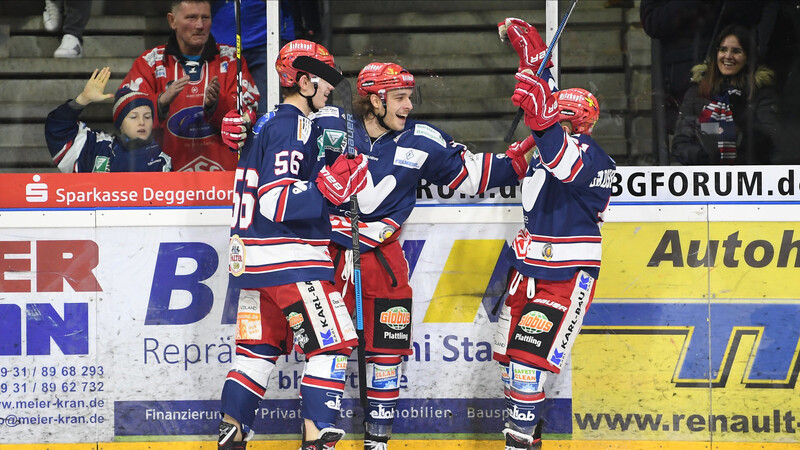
279, 263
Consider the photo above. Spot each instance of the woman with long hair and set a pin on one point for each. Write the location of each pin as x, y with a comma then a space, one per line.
729, 113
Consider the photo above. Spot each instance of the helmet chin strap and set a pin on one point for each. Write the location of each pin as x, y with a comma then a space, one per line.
309, 98
380, 118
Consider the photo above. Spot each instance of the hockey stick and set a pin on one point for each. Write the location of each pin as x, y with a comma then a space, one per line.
238, 14
520, 112
332, 76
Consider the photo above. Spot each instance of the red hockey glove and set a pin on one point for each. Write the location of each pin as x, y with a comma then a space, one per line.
234, 129
518, 153
342, 179
526, 41
533, 95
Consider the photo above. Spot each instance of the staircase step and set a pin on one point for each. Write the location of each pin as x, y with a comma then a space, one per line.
97, 25
399, 7
94, 46
62, 67
356, 21
583, 49
54, 90
36, 112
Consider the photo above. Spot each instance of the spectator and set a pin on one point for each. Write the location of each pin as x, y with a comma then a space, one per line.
684, 28
306, 18
73, 15
254, 37
729, 114
194, 81
76, 148
783, 54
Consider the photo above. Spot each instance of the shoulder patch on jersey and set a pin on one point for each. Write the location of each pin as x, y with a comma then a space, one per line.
303, 128
409, 157
154, 55
227, 51
101, 136
262, 121
326, 111
430, 133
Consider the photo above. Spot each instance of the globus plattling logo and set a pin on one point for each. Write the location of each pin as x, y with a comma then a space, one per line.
535, 322
396, 318
295, 320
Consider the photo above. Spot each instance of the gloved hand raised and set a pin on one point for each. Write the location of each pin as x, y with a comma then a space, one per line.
532, 94
343, 178
526, 41
234, 129
519, 153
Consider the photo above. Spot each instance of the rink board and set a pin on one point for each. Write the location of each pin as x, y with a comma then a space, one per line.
115, 326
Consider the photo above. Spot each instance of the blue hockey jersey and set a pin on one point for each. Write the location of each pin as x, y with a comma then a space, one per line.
280, 228
76, 148
398, 160
564, 195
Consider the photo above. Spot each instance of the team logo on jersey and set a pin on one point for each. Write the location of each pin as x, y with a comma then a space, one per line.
396, 318
547, 251
190, 123
102, 164
236, 256
535, 322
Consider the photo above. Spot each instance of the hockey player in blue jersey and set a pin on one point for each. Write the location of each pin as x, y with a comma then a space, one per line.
77, 148
556, 255
279, 259
401, 152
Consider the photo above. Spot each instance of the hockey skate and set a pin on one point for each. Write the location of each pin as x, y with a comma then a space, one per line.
328, 437
227, 433
518, 440
375, 442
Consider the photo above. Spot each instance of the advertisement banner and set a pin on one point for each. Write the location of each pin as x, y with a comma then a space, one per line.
116, 324
693, 336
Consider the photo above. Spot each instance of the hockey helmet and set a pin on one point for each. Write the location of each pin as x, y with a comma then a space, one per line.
299, 47
579, 107
377, 78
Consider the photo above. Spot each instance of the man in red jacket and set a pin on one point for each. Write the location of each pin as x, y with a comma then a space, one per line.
194, 80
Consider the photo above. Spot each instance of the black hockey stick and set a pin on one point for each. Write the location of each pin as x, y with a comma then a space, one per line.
332, 76
238, 14
520, 112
